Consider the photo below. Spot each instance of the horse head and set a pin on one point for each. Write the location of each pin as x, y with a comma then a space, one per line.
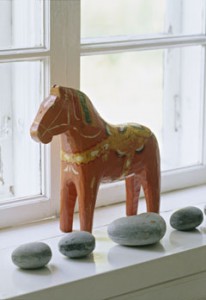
51, 118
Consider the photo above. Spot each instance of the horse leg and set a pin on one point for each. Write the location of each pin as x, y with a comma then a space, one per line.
87, 194
133, 186
68, 200
151, 177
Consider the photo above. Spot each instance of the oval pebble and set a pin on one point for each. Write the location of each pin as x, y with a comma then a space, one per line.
187, 218
77, 244
140, 230
32, 255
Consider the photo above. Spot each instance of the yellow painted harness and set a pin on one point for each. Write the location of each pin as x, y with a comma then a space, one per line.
125, 140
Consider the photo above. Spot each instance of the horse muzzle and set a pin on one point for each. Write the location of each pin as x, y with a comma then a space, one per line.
39, 135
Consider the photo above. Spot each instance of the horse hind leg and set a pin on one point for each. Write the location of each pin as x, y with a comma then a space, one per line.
133, 186
151, 177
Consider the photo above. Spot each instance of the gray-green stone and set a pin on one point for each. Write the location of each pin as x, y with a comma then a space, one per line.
32, 255
187, 218
77, 244
140, 230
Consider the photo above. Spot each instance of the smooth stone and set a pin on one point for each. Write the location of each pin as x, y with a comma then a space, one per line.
77, 244
187, 218
139, 230
32, 255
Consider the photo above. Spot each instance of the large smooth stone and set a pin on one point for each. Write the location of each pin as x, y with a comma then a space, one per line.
32, 255
187, 218
140, 230
77, 244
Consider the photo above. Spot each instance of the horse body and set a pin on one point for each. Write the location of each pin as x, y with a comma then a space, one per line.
93, 151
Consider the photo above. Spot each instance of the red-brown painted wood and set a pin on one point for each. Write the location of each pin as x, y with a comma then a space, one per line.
93, 151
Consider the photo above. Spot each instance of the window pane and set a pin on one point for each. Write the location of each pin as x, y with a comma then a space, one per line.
21, 24
144, 87
20, 94
140, 17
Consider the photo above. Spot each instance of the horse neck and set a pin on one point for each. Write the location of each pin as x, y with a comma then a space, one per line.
77, 140
86, 127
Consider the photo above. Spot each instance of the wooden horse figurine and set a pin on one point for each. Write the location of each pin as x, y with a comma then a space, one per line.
93, 151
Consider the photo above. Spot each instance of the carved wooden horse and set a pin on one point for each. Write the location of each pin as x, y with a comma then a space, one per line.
93, 151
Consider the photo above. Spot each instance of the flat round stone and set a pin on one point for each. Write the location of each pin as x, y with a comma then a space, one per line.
32, 255
77, 244
187, 218
139, 230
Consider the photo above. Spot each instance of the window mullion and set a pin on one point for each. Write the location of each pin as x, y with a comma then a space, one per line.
204, 110
6, 144
23, 54
172, 103
6, 147
93, 46
65, 42
64, 70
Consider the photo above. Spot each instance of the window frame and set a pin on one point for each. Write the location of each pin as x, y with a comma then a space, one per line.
63, 67
172, 179
60, 56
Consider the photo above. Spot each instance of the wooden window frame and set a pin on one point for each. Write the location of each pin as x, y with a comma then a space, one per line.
62, 66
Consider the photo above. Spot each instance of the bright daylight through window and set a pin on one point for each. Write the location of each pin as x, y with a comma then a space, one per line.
22, 85
140, 61
162, 88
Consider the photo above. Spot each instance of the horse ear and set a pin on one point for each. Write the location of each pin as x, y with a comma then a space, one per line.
55, 90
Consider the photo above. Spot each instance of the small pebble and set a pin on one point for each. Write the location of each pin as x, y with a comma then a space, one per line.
77, 244
139, 230
32, 255
187, 218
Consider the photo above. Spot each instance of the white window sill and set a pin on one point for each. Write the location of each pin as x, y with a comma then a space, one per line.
175, 268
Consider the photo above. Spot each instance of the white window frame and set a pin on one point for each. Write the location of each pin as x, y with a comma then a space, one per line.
172, 179
62, 63
63, 55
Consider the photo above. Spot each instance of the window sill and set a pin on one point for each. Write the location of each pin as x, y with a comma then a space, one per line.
112, 272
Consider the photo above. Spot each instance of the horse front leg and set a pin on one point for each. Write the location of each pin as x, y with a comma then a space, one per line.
133, 186
68, 200
87, 194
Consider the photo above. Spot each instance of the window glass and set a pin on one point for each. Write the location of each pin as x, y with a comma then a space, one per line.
161, 89
141, 17
21, 24
20, 94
